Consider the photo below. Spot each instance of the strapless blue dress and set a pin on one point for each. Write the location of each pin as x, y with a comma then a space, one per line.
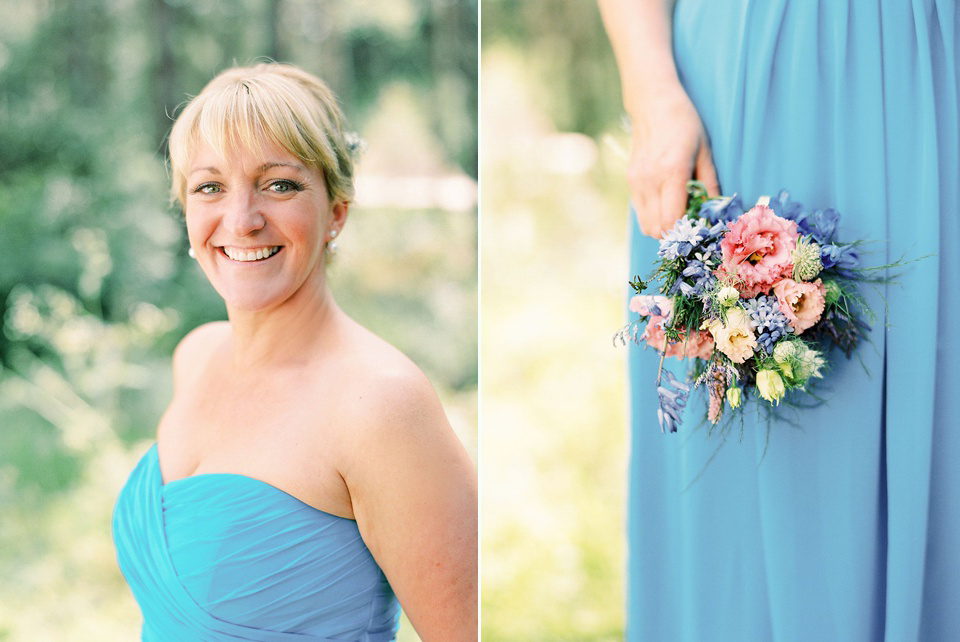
229, 557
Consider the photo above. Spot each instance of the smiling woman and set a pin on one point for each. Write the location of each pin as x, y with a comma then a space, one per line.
305, 477
259, 215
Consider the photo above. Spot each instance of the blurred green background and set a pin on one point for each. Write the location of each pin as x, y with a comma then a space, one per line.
95, 285
553, 282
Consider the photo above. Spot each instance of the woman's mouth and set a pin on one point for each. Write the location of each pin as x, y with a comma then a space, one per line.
243, 254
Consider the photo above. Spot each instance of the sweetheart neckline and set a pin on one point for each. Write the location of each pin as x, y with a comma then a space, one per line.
240, 476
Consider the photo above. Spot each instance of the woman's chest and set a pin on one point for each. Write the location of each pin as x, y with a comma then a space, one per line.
291, 441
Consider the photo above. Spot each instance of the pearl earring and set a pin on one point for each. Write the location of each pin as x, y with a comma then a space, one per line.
191, 253
331, 244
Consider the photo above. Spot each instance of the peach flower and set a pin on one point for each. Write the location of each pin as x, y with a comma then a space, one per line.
758, 249
801, 303
734, 338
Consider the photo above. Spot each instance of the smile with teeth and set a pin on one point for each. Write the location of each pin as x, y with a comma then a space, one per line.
252, 254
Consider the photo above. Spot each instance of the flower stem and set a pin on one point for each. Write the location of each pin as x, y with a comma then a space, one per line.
663, 355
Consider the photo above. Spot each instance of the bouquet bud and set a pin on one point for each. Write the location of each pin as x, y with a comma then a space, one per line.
770, 386
806, 261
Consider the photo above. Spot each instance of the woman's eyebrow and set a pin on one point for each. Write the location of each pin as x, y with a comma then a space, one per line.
267, 166
262, 168
212, 170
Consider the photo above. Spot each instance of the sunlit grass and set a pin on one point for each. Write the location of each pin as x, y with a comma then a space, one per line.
553, 431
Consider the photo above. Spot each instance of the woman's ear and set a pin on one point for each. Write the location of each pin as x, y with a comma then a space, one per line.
338, 218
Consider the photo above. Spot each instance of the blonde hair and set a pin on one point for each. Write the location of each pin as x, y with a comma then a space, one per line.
248, 107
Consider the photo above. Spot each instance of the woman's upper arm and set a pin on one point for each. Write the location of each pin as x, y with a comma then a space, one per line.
414, 494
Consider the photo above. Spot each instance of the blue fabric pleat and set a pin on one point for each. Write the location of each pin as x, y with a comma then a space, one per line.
229, 557
842, 521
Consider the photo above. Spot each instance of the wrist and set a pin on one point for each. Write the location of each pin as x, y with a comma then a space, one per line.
656, 83
663, 101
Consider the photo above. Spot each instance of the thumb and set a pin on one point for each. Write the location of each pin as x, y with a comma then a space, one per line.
705, 172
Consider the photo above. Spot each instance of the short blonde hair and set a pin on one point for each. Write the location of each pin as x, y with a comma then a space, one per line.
248, 107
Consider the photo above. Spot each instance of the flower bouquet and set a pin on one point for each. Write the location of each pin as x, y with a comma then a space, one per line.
754, 298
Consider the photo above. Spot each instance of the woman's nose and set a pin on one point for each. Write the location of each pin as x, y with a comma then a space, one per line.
242, 215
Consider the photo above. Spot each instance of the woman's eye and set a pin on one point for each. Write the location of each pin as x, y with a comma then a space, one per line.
284, 186
207, 188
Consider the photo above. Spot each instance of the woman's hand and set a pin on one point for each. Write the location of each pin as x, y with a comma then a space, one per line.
669, 145
668, 148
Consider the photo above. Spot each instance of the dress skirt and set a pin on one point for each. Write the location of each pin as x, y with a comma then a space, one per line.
841, 521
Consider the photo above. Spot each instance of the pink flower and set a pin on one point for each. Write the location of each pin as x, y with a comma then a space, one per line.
758, 249
801, 303
660, 310
649, 306
698, 345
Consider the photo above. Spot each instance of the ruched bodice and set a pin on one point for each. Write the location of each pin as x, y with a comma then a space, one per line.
229, 557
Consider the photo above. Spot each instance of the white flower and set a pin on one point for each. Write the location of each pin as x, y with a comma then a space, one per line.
810, 364
727, 296
784, 351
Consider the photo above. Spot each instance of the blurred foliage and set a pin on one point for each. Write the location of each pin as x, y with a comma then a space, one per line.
565, 48
554, 270
95, 285
416, 289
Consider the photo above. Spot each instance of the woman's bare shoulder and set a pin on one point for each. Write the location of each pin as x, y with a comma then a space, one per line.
392, 410
196, 349
387, 382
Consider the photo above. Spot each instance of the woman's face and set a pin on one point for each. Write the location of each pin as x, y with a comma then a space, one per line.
258, 225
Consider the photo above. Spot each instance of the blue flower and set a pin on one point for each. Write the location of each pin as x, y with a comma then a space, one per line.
709, 254
695, 278
672, 401
783, 207
682, 238
767, 321
718, 230
721, 210
822, 225
843, 259
702, 277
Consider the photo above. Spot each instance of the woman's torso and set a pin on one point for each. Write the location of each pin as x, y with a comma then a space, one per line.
246, 519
